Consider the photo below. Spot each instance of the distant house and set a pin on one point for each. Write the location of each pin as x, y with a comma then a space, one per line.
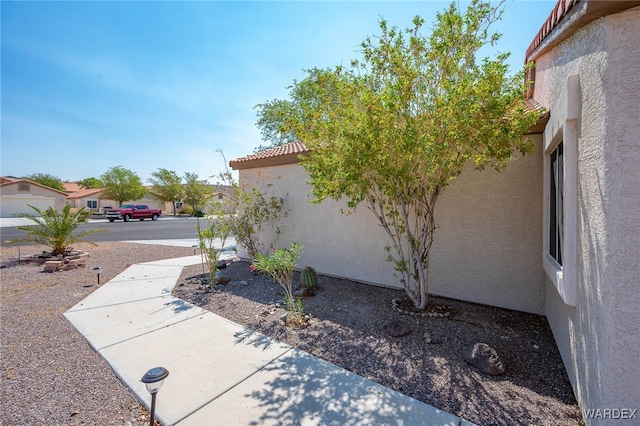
80, 197
92, 199
16, 194
557, 233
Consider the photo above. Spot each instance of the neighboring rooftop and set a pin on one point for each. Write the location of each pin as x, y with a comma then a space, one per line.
284, 154
10, 180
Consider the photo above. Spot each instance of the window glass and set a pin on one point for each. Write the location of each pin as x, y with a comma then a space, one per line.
556, 192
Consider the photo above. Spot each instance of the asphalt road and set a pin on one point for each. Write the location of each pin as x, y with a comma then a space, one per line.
164, 228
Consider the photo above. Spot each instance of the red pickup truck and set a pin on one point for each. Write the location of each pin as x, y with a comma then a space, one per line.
130, 211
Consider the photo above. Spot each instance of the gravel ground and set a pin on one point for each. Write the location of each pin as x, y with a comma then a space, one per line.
347, 329
50, 374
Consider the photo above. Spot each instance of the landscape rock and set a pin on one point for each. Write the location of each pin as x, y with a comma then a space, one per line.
396, 328
484, 358
223, 280
221, 264
303, 292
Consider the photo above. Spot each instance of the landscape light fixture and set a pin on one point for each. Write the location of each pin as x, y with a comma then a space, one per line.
194, 248
98, 271
153, 380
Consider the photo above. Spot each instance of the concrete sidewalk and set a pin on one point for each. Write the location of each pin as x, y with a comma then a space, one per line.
220, 372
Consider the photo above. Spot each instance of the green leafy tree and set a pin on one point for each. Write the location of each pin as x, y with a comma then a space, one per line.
46, 180
250, 212
396, 127
91, 183
195, 191
167, 186
56, 229
122, 185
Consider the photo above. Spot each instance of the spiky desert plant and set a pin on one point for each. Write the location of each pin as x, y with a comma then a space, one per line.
309, 278
55, 229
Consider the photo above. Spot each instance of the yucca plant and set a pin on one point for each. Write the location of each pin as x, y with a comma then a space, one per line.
55, 229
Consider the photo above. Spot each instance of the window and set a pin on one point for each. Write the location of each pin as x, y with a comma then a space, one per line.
92, 204
556, 203
560, 239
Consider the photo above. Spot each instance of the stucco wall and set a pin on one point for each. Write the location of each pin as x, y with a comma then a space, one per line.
486, 249
15, 201
599, 338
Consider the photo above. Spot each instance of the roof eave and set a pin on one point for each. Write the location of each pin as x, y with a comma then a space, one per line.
568, 17
266, 162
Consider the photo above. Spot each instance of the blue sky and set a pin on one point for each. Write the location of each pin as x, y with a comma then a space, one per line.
87, 86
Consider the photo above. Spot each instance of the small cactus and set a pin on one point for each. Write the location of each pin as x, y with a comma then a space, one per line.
309, 278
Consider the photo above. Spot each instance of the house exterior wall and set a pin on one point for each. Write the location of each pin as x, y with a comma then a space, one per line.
599, 338
486, 248
15, 201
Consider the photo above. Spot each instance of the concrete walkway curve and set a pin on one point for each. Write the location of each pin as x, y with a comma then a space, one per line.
221, 373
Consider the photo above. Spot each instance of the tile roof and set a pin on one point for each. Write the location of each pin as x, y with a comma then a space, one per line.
72, 186
85, 193
5, 180
558, 12
567, 17
283, 154
9, 180
533, 105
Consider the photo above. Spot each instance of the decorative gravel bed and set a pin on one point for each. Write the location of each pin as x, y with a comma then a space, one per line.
50, 374
347, 328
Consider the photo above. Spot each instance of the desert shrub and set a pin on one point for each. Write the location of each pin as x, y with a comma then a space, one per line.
280, 264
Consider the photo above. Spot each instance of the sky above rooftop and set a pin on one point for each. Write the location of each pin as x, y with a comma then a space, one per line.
86, 86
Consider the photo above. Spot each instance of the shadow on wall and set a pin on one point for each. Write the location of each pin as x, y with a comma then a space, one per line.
588, 325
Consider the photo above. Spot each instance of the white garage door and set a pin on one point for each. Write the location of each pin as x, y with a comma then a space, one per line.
11, 204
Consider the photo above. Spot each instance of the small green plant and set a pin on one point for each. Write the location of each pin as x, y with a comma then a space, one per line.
308, 278
208, 237
56, 229
280, 265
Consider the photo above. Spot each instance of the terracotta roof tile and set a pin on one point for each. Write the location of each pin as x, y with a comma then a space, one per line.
84, 193
72, 186
283, 154
533, 105
9, 180
558, 12
570, 15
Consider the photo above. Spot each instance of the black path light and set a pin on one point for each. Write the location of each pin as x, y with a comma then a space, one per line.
153, 380
98, 271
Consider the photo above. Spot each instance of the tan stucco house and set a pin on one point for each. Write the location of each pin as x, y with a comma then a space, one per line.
16, 194
557, 233
91, 199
